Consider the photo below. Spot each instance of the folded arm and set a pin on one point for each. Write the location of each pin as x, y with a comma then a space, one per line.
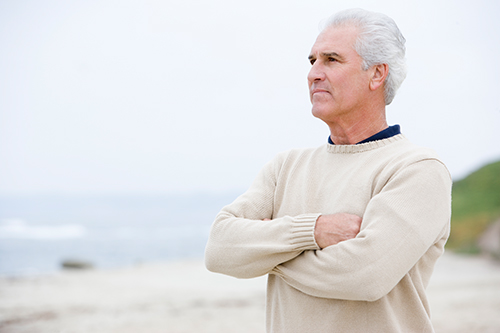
246, 248
244, 242
400, 224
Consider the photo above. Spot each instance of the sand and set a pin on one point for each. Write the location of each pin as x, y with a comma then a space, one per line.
464, 294
184, 297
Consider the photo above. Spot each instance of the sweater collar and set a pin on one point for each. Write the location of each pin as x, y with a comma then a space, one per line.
384, 134
363, 147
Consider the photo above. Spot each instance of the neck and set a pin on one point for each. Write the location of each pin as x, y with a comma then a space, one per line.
352, 131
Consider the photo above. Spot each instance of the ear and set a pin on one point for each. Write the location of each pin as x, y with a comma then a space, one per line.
379, 74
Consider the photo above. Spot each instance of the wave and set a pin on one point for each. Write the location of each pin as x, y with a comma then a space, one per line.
19, 229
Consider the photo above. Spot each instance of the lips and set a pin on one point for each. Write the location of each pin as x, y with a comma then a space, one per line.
319, 91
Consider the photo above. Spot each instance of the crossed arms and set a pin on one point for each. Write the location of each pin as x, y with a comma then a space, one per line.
334, 255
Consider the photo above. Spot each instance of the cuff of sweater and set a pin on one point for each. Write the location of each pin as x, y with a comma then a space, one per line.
303, 231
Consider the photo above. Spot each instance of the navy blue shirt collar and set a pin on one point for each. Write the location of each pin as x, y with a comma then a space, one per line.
384, 134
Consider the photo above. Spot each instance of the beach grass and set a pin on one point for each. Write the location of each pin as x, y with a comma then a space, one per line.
475, 205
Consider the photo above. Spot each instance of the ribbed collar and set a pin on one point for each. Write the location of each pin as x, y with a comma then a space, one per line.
384, 134
362, 147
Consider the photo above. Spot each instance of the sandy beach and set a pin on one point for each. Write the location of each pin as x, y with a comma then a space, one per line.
183, 297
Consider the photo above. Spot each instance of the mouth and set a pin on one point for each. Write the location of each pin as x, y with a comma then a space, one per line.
319, 91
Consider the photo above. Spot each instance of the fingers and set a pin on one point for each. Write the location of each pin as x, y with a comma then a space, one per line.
336, 228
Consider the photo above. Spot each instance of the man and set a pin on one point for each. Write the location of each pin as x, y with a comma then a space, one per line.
349, 232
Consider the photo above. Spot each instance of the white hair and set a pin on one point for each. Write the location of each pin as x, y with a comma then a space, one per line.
379, 42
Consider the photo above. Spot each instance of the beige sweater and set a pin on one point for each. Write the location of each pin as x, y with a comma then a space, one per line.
373, 283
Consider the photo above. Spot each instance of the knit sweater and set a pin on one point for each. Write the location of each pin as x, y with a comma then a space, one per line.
374, 282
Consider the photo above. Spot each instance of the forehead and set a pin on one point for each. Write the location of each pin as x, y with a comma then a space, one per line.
338, 39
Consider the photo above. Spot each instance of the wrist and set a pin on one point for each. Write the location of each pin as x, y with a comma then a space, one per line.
316, 231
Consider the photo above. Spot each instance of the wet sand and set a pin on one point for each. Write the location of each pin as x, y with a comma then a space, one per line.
183, 297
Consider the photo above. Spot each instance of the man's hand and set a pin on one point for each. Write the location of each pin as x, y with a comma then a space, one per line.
335, 228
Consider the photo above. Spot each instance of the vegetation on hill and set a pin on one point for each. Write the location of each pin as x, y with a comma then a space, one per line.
475, 204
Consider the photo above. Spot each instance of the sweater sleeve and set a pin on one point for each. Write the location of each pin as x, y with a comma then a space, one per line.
243, 245
400, 224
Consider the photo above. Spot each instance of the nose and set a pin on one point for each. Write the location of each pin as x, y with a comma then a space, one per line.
316, 73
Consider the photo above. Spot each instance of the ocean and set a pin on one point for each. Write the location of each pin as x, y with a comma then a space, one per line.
38, 233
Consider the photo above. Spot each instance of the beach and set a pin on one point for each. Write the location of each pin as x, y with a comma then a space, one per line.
182, 296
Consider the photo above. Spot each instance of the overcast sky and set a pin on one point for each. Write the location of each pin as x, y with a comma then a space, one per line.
165, 96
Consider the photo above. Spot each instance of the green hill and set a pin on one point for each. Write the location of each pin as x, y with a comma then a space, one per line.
475, 204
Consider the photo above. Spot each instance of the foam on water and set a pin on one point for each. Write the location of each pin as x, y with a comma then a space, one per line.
19, 229
37, 233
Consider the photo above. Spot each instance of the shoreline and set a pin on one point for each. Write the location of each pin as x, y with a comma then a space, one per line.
182, 296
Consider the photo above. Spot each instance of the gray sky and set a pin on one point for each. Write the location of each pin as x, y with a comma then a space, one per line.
160, 96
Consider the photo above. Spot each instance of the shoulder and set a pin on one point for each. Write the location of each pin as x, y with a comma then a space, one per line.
410, 152
404, 153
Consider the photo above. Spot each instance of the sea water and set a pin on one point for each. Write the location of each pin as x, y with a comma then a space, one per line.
38, 233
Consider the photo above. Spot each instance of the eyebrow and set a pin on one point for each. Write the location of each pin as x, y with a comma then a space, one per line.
326, 55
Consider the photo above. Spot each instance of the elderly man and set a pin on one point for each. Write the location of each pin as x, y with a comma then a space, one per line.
348, 233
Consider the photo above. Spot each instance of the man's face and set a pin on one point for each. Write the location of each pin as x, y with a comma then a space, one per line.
338, 86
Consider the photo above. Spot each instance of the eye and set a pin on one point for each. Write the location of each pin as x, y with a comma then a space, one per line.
312, 61
331, 59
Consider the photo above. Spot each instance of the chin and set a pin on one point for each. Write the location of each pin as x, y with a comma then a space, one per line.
319, 112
